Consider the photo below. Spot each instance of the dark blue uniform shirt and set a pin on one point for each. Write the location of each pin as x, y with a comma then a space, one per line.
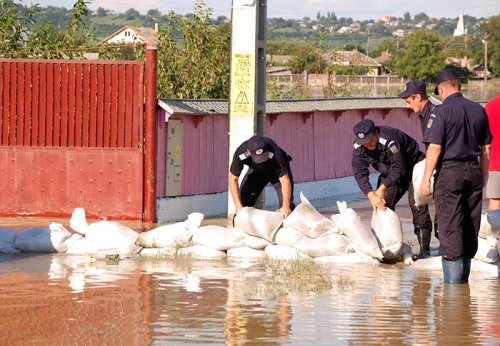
461, 128
277, 164
394, 157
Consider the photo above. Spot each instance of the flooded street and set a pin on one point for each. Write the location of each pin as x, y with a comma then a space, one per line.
60, 299
53, 299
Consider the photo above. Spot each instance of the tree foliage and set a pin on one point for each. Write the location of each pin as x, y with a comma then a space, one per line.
20, 39
422, 57
307, 58
197, 64
490, 28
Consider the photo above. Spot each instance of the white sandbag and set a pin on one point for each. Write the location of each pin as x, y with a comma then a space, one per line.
218, 237
80, 245
158, 252
477, 266
173, 235
113, 234
201, 252
280, 252
431, 263
330, 244
42, 239
288, 236
417, 177
254, 242
487, 250
245, 252
362, 238
347, 258
307, 220
78, 221
259, 223
7, 238
493, 218
387, 228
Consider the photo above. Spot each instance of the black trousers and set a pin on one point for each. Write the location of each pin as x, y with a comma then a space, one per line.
421, 217
458, 194
255, 181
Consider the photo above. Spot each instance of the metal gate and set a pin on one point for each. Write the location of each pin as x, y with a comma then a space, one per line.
71, 135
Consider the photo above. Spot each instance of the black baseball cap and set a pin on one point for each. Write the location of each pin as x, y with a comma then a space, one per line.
364, 131
443, 76
414, 87
257, 147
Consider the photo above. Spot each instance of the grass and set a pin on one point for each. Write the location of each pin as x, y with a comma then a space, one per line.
302, 275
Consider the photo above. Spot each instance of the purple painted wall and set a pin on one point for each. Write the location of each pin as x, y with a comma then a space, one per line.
320, 144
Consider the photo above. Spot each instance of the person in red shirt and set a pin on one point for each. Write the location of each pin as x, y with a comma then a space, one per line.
493, 185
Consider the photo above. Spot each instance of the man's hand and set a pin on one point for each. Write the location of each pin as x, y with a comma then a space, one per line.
425, 187
285, 211
376, 201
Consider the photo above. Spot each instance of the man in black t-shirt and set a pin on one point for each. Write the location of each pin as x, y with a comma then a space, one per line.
267, 163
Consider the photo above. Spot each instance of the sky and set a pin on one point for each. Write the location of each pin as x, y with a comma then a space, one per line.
356, 9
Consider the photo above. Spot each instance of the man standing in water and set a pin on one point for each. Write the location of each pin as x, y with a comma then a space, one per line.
457, 133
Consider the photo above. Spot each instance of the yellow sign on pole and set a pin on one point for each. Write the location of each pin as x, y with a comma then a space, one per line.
243, 85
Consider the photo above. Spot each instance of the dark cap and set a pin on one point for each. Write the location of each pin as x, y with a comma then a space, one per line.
364, 131
414, 87
257, 147
443, 76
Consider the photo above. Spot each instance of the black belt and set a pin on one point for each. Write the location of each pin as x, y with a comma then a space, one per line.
469, 159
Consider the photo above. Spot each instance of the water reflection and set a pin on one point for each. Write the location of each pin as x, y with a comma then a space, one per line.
56, 299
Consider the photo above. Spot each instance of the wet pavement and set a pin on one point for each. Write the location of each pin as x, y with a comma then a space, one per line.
53, 299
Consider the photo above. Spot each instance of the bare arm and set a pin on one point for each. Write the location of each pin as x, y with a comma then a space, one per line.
286, 189
235, 192
484, 161
432, 157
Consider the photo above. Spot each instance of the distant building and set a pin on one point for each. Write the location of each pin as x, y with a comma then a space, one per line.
353, 58
133, 34
460, 30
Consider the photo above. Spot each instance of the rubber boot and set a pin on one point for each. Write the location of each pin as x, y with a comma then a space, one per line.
466, 270
424, 240
453, 271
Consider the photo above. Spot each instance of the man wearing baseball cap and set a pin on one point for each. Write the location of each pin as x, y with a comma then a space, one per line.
392, 153
267, 163
457, 134
415, 96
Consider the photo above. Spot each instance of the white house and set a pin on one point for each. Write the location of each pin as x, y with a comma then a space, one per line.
133, 34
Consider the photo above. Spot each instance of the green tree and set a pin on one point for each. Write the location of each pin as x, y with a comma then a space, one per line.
196, 65
308, 58
422, 57
15, 26
490, 29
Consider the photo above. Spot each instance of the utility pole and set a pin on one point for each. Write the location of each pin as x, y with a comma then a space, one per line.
247, 98
485, 73
368, 33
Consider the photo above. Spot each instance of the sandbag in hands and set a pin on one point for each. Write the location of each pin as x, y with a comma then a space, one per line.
362, 238
417, 176
388, 230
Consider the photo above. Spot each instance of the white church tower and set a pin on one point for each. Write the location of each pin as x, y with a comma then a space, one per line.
460, 30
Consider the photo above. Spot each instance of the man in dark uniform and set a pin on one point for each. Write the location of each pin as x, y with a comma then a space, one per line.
457, 133
392, 153
415, 96
267, 163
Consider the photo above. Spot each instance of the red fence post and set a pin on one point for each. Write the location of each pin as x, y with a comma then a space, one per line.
149, 214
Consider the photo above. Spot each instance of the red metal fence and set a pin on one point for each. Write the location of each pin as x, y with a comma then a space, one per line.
87, 118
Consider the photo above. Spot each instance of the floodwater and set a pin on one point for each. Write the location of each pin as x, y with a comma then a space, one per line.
53, 299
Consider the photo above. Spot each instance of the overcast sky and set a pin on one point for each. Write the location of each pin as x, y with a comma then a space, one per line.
356, 9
